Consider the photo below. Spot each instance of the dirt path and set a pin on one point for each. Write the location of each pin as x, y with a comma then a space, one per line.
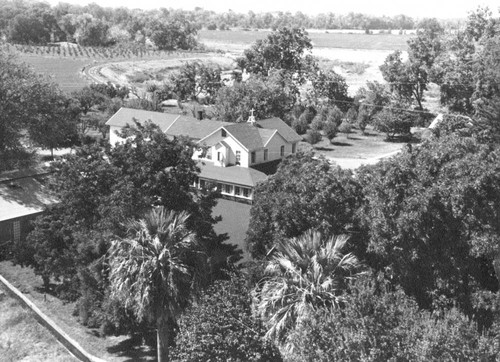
121, 72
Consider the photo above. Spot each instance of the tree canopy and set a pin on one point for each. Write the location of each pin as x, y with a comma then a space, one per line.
432, 218
284, 49
30, 102
305, 193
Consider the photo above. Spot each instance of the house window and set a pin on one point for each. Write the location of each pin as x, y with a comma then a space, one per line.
202, 184
228, 189
246, 192
218, 156
223, 133
282, 151
253, 157
238, 157
294, 147
236, 190
265, 155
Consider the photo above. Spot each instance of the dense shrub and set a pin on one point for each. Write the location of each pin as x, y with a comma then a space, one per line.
345, 128
380, 324
330, 128
220, 327
313, 136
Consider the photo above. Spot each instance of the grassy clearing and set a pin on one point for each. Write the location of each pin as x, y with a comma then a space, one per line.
110, 348
352, 150
320, 40
22, 338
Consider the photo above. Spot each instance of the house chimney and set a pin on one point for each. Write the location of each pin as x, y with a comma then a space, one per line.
200, 115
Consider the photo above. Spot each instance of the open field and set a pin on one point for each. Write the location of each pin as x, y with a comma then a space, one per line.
110, 348
23, 339
64, 71
239, 40
69, 65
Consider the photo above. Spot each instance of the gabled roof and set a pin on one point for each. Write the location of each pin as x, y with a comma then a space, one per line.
233, 174
246, 134
249, 136
266, 135
126, 116
22, 197
283, 129
194, 128
171, 124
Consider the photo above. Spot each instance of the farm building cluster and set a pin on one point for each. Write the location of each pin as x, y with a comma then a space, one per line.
229, 155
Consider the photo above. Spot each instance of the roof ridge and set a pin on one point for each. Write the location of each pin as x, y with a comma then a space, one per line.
175, 120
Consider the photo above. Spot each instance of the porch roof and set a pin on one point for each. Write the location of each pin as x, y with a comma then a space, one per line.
232, 174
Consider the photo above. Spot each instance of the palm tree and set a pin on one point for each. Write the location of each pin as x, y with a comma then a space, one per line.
150, 270
304, 274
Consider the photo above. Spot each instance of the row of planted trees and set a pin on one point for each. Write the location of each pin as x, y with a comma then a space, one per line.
77, 51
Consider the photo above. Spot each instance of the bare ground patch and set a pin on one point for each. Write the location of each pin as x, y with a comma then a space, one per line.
110, 348
22, 338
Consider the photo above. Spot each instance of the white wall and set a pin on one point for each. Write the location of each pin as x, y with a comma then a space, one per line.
273, 150
231, 152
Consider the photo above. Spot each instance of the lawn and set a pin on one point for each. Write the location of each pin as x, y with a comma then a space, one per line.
355, 149
22, 338
235, 220
109, 348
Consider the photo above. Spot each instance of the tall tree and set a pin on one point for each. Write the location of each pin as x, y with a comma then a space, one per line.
150, 270
284, 49
407, 80
305, 274
272, 96
172, 32
30, 102
332, 87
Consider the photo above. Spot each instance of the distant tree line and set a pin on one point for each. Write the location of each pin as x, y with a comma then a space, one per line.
39, 23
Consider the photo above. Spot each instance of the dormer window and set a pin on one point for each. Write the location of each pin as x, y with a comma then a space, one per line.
238, 157
223, 133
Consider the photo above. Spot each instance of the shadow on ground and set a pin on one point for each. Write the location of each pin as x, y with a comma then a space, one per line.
341, 144
133, 349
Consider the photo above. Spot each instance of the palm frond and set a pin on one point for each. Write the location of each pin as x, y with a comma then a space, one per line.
304, 274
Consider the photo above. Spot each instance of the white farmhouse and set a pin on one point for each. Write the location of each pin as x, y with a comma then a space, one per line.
228, 153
